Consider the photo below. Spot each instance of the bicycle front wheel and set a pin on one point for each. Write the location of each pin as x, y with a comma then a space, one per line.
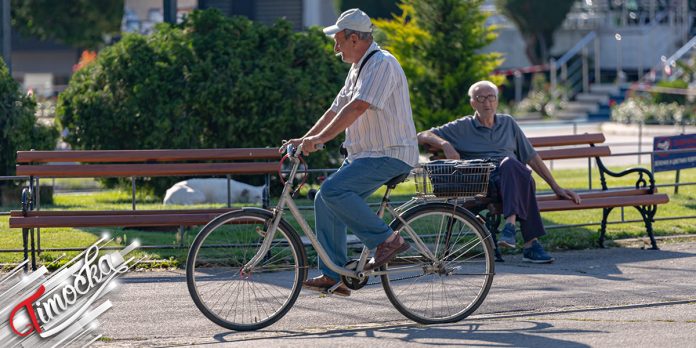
453, 284
245, 300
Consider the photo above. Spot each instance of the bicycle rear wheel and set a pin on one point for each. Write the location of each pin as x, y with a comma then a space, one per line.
239, 300
452, 286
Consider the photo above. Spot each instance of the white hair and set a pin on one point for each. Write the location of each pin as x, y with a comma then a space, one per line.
487, 83
361, 34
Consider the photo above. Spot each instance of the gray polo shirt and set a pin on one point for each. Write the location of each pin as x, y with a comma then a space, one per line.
473, 140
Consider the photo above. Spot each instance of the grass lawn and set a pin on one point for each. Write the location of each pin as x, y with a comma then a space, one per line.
682, 204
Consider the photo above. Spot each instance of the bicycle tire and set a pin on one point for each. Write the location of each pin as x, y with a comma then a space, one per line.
465, 251
213, 270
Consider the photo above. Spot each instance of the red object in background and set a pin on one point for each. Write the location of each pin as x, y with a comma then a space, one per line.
85, 58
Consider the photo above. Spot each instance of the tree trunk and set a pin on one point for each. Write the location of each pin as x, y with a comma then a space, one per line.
542, 48
531, 43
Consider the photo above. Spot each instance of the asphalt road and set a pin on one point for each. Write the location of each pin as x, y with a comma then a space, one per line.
599, 298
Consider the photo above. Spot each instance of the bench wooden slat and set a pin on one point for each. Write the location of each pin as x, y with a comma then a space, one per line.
33, 213
118, 156
598, 194
113, 220
578, 152
564, 140
591, 203
145, 170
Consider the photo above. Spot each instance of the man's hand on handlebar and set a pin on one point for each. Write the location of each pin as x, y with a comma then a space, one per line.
311, 144
292, 142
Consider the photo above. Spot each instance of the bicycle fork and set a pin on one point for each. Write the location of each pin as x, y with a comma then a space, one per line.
269, 234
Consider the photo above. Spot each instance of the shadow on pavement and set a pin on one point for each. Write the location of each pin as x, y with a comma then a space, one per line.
525, 334
597, 263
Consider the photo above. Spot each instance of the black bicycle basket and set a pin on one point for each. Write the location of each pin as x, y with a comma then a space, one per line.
453, 178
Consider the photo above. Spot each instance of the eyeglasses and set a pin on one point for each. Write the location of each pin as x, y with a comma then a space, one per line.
483, 98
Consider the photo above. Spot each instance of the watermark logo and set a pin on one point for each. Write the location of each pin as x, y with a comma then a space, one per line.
41, 310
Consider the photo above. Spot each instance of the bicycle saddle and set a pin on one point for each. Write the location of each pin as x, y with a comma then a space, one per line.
396, 180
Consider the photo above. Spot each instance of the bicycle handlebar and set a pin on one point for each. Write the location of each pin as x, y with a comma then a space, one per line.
294, 155
292, 151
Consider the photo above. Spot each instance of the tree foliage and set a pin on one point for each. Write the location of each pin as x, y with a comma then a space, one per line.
437, 44
373, 8
210, 82
80, 23
18, 124
537, 21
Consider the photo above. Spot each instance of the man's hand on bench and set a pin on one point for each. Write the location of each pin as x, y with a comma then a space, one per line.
567, 194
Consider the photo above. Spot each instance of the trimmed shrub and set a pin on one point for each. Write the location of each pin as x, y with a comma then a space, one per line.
210, 82
670, 97
18, 124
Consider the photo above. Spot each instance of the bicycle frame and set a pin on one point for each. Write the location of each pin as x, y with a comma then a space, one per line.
286, 200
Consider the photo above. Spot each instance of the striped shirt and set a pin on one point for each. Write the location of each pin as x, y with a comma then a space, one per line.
386, 128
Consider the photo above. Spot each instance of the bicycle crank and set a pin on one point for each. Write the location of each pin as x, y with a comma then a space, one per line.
353, 283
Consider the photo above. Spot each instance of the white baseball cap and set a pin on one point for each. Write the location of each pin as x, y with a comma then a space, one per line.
353, 19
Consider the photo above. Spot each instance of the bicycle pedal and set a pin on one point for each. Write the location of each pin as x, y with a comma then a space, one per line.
333, 288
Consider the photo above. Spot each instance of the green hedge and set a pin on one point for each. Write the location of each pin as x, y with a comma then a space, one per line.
18, 124
671, 97
211, 82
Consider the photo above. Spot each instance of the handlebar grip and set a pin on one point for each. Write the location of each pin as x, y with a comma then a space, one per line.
291, 150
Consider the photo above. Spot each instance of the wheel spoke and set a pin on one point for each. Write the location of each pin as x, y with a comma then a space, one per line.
244, 301
457, 284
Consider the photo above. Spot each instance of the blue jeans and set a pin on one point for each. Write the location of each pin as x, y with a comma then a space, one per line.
340, 204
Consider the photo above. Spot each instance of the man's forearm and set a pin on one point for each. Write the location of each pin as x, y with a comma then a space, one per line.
540, 168
343, 120
429, 138
323, 121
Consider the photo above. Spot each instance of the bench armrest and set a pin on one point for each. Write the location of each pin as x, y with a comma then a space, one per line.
640, 182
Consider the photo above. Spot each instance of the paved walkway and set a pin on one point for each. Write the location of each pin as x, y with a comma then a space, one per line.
599, 297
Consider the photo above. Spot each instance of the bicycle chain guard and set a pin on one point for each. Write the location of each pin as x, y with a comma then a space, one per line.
350, 282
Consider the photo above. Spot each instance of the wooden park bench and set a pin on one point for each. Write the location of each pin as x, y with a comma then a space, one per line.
643, 196
128, 164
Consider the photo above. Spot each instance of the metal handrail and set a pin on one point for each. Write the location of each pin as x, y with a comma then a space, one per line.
562, 63
651, 75
576, 49
677, 55
683, 50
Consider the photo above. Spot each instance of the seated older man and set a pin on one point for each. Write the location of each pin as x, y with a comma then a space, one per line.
498, 137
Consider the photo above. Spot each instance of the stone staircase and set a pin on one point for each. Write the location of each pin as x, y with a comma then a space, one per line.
594, 105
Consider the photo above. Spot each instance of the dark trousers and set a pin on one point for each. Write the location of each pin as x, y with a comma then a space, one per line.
512, 183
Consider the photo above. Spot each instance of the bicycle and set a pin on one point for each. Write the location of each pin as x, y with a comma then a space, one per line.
245, 268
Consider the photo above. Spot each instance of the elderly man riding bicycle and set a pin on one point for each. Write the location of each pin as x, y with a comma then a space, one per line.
373, 109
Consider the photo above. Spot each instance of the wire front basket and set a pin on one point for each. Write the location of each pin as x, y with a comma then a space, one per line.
453, 178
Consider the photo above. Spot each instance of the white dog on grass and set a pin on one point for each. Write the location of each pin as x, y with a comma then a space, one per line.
212, 190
